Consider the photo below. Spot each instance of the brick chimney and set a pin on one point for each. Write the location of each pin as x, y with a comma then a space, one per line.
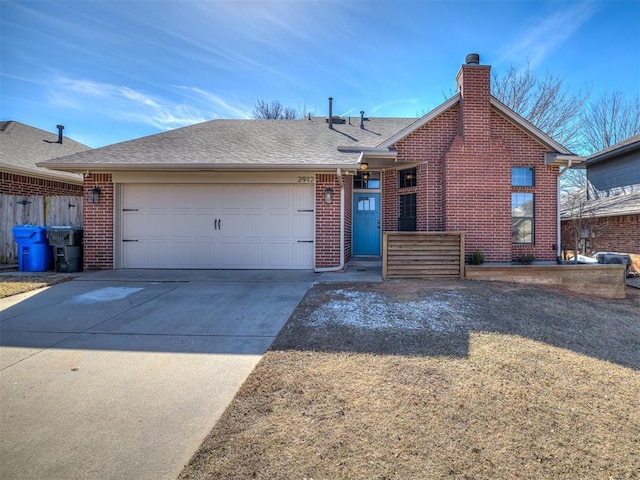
474, 85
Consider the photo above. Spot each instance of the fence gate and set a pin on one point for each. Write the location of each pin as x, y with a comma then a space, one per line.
34, 210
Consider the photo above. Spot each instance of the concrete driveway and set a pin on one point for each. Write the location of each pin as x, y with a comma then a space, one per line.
122, 374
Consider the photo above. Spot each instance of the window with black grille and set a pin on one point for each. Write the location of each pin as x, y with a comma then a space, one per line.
407, 213
407, 178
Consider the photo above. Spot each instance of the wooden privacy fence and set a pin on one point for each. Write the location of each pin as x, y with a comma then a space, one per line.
34, 210
423, 255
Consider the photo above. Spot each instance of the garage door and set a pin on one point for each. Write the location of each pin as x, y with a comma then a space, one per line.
218, 226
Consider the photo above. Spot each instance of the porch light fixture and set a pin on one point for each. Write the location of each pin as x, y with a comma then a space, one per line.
409, 176
328, 195
93, 195
364, 166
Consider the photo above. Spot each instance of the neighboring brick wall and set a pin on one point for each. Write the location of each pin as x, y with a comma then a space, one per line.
13, 184
98, 235
464, 183
617, 234
611, 234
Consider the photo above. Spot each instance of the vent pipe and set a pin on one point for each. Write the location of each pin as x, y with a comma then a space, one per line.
472, 59
362, 119
330, 112
60, 129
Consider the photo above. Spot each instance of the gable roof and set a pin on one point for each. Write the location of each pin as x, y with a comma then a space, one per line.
499, 107
255, 144
22, 147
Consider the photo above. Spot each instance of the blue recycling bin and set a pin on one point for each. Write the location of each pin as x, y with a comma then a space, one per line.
34, 251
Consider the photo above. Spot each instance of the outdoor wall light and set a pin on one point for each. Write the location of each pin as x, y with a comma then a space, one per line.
93, 195
364, 166
328, 195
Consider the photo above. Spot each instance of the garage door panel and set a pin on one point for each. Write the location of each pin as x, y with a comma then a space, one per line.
218, 226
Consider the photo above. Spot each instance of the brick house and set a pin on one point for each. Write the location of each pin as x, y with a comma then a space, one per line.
611, 201
28, 191
314, 192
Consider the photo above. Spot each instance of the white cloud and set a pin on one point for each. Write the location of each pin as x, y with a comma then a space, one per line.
540, 40
124, 103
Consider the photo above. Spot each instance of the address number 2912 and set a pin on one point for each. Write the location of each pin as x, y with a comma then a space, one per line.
305, 179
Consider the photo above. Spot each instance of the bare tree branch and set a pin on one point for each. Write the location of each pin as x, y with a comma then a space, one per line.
273, 110
608, 120
545, 102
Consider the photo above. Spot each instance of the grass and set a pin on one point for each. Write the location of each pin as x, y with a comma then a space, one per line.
13, 285
502, 381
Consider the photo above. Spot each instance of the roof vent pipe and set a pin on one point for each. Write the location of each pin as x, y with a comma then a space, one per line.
330, 112
362, 119
60, 129
472, 59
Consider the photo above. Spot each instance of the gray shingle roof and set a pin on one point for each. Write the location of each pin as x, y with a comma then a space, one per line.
23, 146
238, 143
617, 205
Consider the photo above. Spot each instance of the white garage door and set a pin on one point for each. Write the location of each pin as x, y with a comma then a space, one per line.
218, 226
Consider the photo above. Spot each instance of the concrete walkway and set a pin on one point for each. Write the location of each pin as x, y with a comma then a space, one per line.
122, 374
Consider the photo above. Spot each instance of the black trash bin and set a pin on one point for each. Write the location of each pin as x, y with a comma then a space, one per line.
67, 248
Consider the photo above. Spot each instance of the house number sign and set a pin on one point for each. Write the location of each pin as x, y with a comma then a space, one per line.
306, 179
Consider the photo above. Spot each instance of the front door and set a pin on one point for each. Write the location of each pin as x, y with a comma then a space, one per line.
366, 224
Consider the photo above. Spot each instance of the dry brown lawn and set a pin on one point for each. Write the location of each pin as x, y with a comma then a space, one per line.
15, 284
421, 380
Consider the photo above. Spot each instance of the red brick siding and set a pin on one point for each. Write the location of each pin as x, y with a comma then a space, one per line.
611, 234
98, 235
13, 184
427, 145
327, 222
464, 182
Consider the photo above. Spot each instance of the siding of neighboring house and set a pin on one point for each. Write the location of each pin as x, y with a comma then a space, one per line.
616, 176
13, 184
618, 234
613, 177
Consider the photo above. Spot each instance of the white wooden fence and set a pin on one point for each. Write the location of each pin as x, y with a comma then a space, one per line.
34, 210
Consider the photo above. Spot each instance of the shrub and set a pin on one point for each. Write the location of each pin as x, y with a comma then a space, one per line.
476, 258
526, 259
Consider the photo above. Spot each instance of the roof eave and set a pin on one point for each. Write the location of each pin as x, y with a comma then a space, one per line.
610, 153
45, 175
562, 160
172, 167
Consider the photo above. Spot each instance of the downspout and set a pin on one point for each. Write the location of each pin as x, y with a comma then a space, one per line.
341, 266
559, 223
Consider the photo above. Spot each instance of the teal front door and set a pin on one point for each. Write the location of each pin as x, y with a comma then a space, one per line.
366, 224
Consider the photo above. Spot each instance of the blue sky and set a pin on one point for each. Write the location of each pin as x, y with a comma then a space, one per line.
115, 70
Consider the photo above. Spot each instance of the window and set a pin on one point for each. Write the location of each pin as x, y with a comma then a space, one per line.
366, 180
366, 204
522, 217
407, 213
522, 177
407, 178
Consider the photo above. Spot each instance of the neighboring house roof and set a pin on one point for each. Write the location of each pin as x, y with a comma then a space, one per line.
23, 146
602, 207
628, 145
282, 144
